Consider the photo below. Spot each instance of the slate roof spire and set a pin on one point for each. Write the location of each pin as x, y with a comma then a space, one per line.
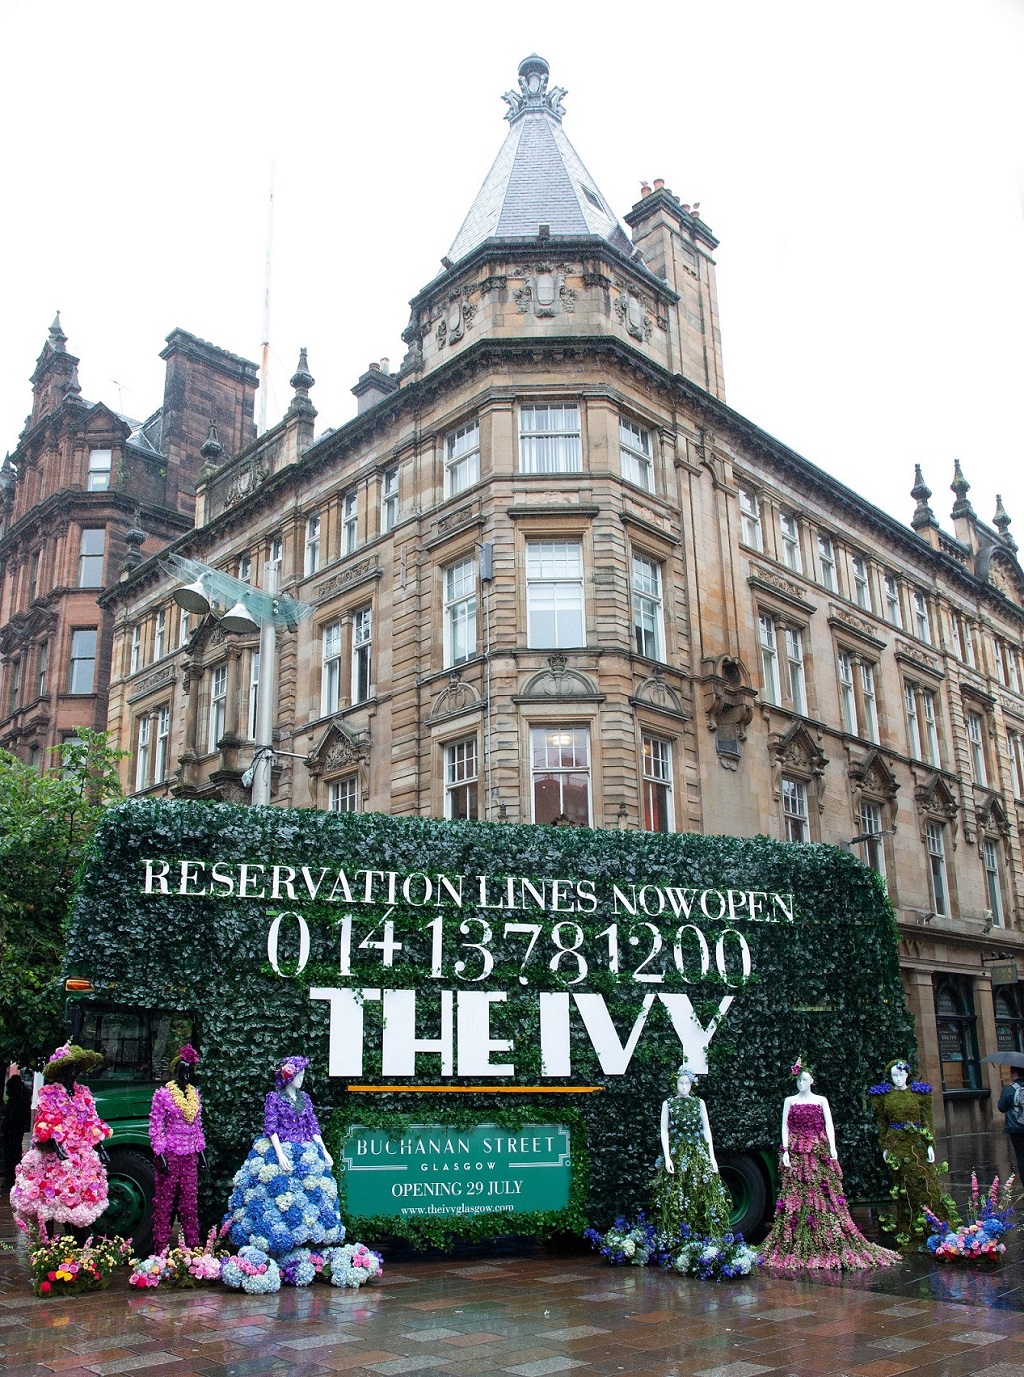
537, 178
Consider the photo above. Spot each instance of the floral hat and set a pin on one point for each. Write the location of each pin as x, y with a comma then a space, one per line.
71, 1054
288, 1069
685, 1069
186, 1054
799, 1067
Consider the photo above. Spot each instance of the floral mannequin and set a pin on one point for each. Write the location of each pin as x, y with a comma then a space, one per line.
687, 1188
176, 1135
812, 1226
61, 1177
284, 1195
907, 1137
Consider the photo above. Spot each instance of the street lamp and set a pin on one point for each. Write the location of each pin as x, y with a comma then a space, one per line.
241, 608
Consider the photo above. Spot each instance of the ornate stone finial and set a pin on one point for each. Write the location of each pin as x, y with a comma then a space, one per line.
1001, 522
211, 449
72, 388
533, 86
920, 492
133, 539
960, 488
58, 338
302, 379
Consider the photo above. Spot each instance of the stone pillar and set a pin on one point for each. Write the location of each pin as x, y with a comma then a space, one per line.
984, 1009
921, 999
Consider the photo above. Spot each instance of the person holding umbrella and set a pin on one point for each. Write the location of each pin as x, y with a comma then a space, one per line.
1011, 1103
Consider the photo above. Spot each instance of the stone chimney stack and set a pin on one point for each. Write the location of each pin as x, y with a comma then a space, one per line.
375, 384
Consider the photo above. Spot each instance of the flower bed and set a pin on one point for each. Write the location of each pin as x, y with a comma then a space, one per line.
688, 1253
980, 1238
61, 1266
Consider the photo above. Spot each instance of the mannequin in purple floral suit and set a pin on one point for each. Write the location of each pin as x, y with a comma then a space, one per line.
176, 1135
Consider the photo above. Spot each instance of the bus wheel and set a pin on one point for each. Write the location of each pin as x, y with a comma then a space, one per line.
129, 1213
744, 1180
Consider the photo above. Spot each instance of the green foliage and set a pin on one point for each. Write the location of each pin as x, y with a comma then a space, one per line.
827, 984
46, 824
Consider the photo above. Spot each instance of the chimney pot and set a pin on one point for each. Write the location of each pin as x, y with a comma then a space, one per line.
659, 182
686, 208
385, 366
645, 189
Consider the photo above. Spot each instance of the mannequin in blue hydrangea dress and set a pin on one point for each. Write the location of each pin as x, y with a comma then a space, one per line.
284, 1194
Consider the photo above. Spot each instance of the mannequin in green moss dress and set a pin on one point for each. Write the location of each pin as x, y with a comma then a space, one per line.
687, 1187
907, 1137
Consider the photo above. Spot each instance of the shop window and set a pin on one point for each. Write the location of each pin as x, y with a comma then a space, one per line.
827, 564
549, 438
789, 538
461, 779
460, 611
750, 519
956, 1025
554, 594
1009, 1023
343, 795
462, 459
657, 785
648, 621
560, 766
635, 455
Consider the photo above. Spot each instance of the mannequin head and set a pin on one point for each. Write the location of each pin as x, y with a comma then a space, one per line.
184, 1064
804, 1081
296, 1084
290, 1073
899, 1073
68, 1063
685, 1080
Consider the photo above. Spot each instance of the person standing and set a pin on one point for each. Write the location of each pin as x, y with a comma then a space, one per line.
1011, 1103
17, 1116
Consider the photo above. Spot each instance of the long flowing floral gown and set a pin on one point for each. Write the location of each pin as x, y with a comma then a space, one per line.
693, 1195
277, 1210
905, 1132
812, 1225
70, 1190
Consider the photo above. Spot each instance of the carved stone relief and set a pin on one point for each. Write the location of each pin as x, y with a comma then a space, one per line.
454, 698
797, 752
658, 693
247, 480
558, 681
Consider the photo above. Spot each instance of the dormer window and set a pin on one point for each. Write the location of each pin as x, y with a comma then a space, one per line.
99, 470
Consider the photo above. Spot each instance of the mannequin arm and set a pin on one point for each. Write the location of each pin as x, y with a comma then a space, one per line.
664, 1139
707, 1135
830, 1131
785, 1131
327, 1156
282, 1160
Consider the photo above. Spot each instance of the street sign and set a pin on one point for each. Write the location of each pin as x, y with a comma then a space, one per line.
1002, 972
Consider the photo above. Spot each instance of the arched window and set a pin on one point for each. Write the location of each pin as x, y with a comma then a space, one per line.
1009, 1024
958, 1037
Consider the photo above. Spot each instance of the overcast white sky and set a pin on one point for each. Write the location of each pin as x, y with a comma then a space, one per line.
861, 164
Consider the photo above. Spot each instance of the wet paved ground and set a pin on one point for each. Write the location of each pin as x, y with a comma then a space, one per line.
533, 1315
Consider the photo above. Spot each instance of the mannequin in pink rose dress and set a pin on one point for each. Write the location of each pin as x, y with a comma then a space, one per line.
813, 1228
61, 1178
176, 1136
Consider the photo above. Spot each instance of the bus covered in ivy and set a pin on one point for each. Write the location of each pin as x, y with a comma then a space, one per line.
494, 1013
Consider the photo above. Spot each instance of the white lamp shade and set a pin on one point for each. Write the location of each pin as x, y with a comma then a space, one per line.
192, 597
238, 619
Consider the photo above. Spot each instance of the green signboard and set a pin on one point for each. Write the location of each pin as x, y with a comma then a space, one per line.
431, 1171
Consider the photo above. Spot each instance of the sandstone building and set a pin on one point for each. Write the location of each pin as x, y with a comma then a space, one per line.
554, 577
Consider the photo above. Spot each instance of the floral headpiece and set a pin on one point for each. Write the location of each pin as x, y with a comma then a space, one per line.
186, 1054
71, 1055
799, 1067
288, 1070
686, 1070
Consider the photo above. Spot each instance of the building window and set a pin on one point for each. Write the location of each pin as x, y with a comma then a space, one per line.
554, 594
931, 735
135, 663
33, 575
1009, 1023
956, 1026
275, 554
142, 755
350, 523
847, 696
245, 568
795, 664
993, 886
922, 629
750, 519
90, 560
913, 721
827, 564
648, 626
163, 733
34, 757
1015, 746
312, 559
769, 658
461, 772
160, 635
362, 651
182, 628
99, 470
789, 534
83, 661
460, 611
42, 664
14, 686
462, 459
861, 584
560, 762
794, 809
218, 706
969, 650
976, 743
343, 795
657, 785
549, 438
1007, 666
330, 690
635, 454
389, 500
935, 836
254, 693
893, 612
867, 685
871, 830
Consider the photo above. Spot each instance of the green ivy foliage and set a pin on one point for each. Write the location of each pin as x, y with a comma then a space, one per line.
826, 985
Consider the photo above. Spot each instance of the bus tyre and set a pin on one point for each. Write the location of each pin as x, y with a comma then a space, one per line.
129, 1213
744, 1180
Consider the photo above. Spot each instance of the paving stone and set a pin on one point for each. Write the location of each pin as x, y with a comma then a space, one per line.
976, 1336
426, 1336
137, 1363
895, 1344
319, 1341
419, 1363
578, 1331
543, 1366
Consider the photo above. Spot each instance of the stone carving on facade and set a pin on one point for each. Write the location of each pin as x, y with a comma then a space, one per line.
849, 619
935, 799
533, 91
796, 751
457, 518
541, 294
456, 696
338, 749
456, 315
629, 307
246, 481
160, 678
871, 777
778, 581
919, 656
363, 569
728, 705
559, 681
495, 282
658, 693
990, 815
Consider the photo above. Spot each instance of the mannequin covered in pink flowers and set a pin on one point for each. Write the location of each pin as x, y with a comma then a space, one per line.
176, 1136
61, 1178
